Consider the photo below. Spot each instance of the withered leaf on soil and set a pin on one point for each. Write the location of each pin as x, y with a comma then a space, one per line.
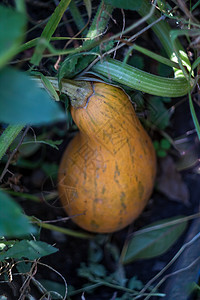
170, 182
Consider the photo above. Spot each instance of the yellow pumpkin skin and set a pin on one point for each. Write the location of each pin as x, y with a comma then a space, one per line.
107, 172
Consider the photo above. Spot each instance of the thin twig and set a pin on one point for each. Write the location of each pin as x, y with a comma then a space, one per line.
169, 275
170, 223
13, 153
186, 245
27, 281
54, 270
123, 28
131, 39
56, 221
186, 11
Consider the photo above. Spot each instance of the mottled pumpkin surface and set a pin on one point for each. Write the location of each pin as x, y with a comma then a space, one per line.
107, 172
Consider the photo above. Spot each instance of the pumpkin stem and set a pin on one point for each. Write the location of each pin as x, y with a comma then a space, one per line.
78, 91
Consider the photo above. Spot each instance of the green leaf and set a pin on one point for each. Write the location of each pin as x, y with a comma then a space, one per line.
13, 223
84, 271
92, 271
28, 249
135, 284
156, 145
23, 266
28, 148
88, 6
165, 144
50, 143
125, 4
95, 253
97, 270
77, 62
161, 153
74, 64
52, 287
12, 25
48, 85
138, 79
195, 287
22, 102
8, 136
50, 169
158, 113
153, 242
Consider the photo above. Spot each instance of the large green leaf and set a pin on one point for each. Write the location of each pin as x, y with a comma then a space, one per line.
23, 102
153, 242
28, 249
12, 25
13, 223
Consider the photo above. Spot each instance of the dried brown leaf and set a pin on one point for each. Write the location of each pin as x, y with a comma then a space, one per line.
170, 182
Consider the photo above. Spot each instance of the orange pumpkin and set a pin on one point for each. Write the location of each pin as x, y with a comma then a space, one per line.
107, 172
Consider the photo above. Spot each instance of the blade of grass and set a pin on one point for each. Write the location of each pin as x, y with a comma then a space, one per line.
194, 116
55, 52
8, 136
49, 30
195, 5
196, 63
88, 6
35, 42
153, 55
78, 19
20, 6
23, 195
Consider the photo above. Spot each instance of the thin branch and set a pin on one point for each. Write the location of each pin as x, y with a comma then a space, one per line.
170, 223
54, 270
131, 39
186, 245
123, 28
169, 275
